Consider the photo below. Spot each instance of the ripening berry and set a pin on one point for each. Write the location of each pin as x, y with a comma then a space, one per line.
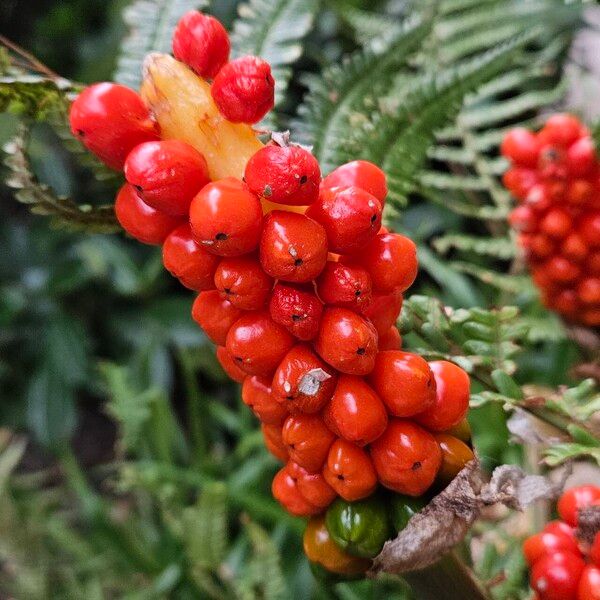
351, 217
226, 218
576, 498
589, 228
274, 441
547, 542
241, 280
215, 315
390, 340
355, 412
296, 308
404, 382
391, 260
455, 456
292, 247
557, 223
202, 43
144, 223
589, 584
347, 286
406, 457
347, 341
167, 174
188, 261
556, 576
562, 129
257, 343
312, 486
256, 394
453, 389
521, 146
349, 471
284, 174
359, 173
383, 311
285, 490
228, 365
244, 90
302, 381
308, 440
110, 120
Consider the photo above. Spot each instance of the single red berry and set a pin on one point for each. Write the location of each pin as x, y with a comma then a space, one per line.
453, 388
296, 308
576, 498
574, 248
359, 173
406, 457
110, 120
562, 270
167, 174
391, 260
347, 286
228, 365
579, 192
524, 219
202, 43
312, 486
595, 550
588, 290
226, 218
349, 471
589, 584
383, 311
542, 280
581, 157
257, 343
560, 528
519, 181
541, 246
591, 317
355, 412
285, 490
244, 90
562, 130
539, 198
303, 382
547, 543
256, 394
351, 217
308, 440
404, 382
556, 576
241, 280
188, 261
556, 223
215, 315
292, 247
284, 174
390, 340
144, 223
566, 302
274, 441
521, 146
589, 228
347, 341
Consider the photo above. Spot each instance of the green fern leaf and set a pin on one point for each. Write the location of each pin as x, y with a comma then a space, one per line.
151, 24
502, 247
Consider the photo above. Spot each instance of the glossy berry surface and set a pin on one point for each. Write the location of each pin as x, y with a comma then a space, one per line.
347, 286
361, 174
312, 486
256, 395
285, 490
556, 576
296, 308
589, 584
546, 543
455, 457
383, 310
215, 315
274, 441
202, 43
244, 90
241, 280
308, 440
576, 498
229, 366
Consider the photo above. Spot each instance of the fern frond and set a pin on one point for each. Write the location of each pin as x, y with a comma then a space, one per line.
34, 97
503, 248
514, 284
150, 24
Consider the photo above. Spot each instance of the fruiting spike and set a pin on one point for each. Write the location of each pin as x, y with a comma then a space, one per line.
182, 105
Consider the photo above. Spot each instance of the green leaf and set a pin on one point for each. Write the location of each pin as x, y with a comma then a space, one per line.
501, 247
561, 453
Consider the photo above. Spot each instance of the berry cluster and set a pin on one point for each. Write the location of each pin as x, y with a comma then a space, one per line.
555, 176
557, 558
299, 287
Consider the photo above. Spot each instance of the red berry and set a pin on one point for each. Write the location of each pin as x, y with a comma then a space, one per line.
541, 246
391, 260
297, 309
202, 43
292, 247
188, 261
406, 457
285, 490
308, 440
588, 290
404, 382
303, 382
560, 528
355, 412
144, 223
351, 217
574, 248
562, 129
523, 219
547, 543
344, 285
349, 471
595, 550
111, 120
581, 157
390, 340
589, 228
244, 90
241, 280
538, 198
579, 192
215, 315
451, 403
556, 576
519, 181
167, 174
347, 341
359, 173
593, 263
274, 441
565, 302
574, 499
312, 486
228, 365
589, 584
284, 174
383, 311
256, 394
521, 146
561, 270
226, 218
557, 223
